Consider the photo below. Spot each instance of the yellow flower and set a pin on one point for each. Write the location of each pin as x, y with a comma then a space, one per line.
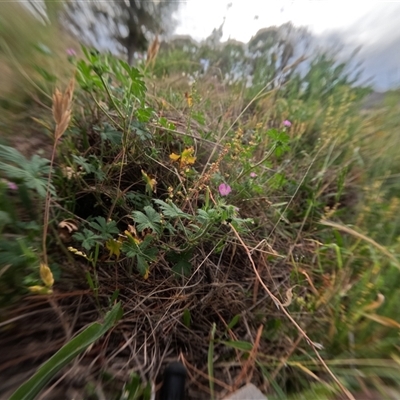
189, 99
78, 253
46, 275
186, 158
114, 247
150, 183
40, 289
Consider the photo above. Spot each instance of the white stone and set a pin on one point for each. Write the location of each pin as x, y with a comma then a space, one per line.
248, 392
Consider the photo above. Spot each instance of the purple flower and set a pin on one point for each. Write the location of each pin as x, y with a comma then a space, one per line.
12, 185
224, 189
253, 175
287, 123
71, 52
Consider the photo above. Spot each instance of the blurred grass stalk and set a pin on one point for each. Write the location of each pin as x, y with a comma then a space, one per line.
32, 53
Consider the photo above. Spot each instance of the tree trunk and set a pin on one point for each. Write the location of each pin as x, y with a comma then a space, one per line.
131, 52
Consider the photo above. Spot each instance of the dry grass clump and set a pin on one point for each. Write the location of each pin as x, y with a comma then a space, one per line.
154, 330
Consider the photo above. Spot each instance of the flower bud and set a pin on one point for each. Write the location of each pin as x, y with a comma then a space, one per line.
46, 275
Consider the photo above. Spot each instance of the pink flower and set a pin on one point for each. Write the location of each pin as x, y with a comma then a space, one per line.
12, 185
253, 175
224, 189
287, 123
71, 52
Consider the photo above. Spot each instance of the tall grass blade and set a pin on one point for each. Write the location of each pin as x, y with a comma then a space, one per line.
210, 361
31, 388
367, 239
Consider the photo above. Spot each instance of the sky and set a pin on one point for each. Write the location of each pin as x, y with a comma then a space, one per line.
245, 17
372, 24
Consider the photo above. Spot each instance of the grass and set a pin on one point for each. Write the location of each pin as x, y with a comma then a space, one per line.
248, 249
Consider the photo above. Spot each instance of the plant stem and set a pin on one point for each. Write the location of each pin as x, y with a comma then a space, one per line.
246, 171
47, 205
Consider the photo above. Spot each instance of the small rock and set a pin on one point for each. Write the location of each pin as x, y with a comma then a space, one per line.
248, 392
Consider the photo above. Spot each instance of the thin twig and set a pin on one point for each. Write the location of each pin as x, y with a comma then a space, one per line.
249, 364
283, 309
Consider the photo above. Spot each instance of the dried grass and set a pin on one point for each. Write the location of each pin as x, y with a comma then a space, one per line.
152, 332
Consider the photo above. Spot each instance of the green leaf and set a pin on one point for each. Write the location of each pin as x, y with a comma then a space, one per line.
186, 317
90, 281
237, 344
131, 248
182, 265
137, 85
33, 173
82, 162
150, 220
110, 134
88, 53
273, 134
142, 252
133, 390
199, 117
169, 228
140, 130
142, 266
114, 296
147, 392
106, 228
91, 165
87, 238
31, 388
203, 216
278, 179
171, 210
234, 321
166, 124
280, 140
144, 114
280, 137
138, 200
147, 252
